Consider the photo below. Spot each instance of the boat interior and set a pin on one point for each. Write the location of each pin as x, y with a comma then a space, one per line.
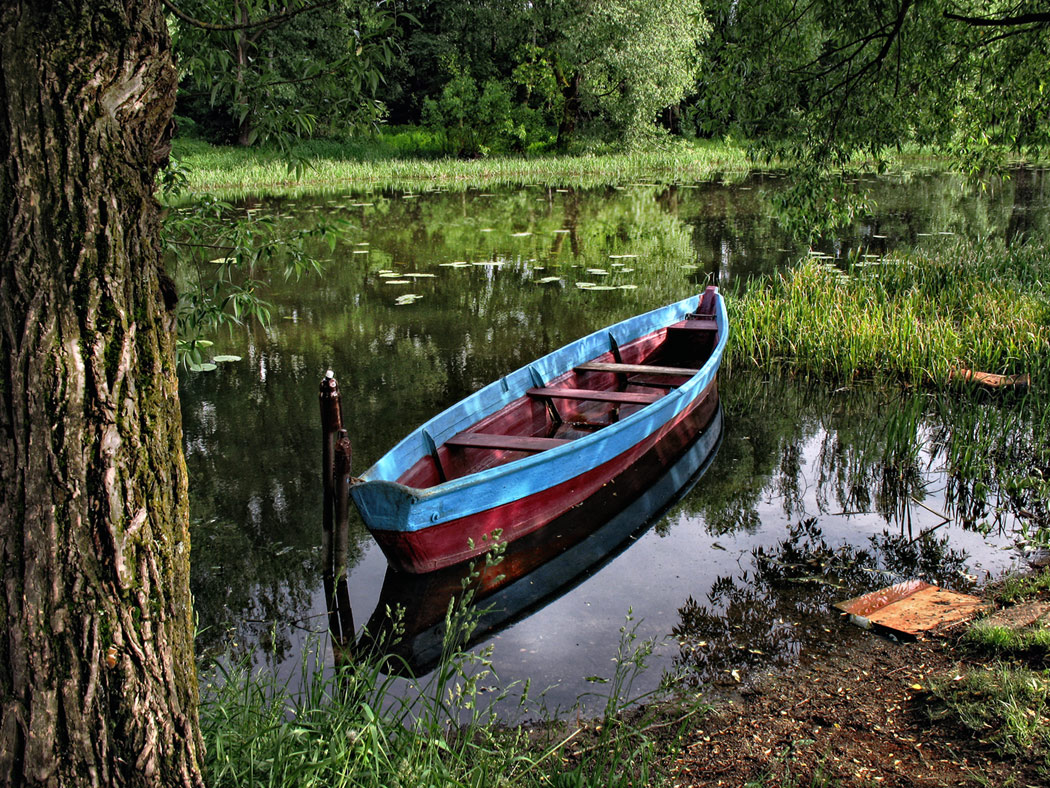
578, 402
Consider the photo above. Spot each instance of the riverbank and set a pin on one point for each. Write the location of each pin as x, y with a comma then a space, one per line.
857, 709
212, 168
389, 164
862, 710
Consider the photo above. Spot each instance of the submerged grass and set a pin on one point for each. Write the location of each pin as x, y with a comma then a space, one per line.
913, 318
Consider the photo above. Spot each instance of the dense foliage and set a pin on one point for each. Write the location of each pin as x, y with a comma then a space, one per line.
266, 70
822, 79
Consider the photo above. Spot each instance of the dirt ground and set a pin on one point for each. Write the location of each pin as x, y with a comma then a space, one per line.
851, 713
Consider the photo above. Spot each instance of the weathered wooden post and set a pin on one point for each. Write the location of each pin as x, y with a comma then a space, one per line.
336, 455
331, 423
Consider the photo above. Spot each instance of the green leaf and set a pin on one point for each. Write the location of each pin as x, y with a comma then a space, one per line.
203, 367
223, 358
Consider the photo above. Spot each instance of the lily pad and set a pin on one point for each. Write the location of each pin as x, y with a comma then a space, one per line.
203, 367
547, 280
407, 298
397, 282
224, 359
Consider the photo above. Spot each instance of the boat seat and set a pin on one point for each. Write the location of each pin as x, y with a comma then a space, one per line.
483, 440
637, 369
620, 397
695, 324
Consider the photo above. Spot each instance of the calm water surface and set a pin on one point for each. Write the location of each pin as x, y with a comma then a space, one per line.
737, 569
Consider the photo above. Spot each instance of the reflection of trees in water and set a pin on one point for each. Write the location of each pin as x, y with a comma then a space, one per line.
762, 618
871, 450
252, 434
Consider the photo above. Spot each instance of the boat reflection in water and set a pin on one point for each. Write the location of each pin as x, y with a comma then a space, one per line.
410, 617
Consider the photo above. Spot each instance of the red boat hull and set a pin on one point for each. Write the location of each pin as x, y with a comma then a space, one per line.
451, 542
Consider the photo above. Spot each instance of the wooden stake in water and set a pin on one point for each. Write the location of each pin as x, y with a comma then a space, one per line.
336, 455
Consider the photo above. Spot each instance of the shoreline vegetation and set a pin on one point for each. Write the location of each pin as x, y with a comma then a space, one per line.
406, 160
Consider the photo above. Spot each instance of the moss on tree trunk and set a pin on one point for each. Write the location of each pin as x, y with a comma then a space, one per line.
97, 677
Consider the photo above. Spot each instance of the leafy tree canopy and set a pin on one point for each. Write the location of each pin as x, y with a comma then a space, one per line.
825, 79
310, 67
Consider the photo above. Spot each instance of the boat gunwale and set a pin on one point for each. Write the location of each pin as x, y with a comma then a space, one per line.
553, 455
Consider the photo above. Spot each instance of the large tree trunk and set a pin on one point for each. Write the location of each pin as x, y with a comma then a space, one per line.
97, 678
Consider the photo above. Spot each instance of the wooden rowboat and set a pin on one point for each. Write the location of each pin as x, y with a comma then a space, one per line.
410, 617
522, 451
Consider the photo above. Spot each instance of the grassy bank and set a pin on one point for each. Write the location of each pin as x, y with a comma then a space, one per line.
355, 726
912, 318
219, 169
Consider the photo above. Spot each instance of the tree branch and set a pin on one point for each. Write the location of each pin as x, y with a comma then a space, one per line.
270, 21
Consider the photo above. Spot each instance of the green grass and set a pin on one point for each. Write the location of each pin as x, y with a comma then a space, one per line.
1003, 705
227, 170
1030, 642
1015, 588
910, 318
352, 726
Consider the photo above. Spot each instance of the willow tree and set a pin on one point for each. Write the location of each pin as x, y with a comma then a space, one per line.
97, 678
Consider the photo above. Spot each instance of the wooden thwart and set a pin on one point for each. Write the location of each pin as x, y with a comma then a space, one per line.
637, 369
620, 397
481, 440
695, 324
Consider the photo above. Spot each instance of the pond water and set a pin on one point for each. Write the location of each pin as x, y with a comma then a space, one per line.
812, 496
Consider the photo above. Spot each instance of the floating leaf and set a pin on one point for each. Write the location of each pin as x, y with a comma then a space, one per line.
628, 287
407, 298
421, 276
360, 251
224, 359
397, 282
598, 271
519, 235
548, 280
204, 367
585, 285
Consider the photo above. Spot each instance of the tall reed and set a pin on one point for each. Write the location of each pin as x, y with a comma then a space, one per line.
915, 318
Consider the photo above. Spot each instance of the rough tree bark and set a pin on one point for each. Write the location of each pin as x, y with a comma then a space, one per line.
97, 678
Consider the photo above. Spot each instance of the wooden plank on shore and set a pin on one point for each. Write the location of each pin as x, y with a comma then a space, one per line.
911, 608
